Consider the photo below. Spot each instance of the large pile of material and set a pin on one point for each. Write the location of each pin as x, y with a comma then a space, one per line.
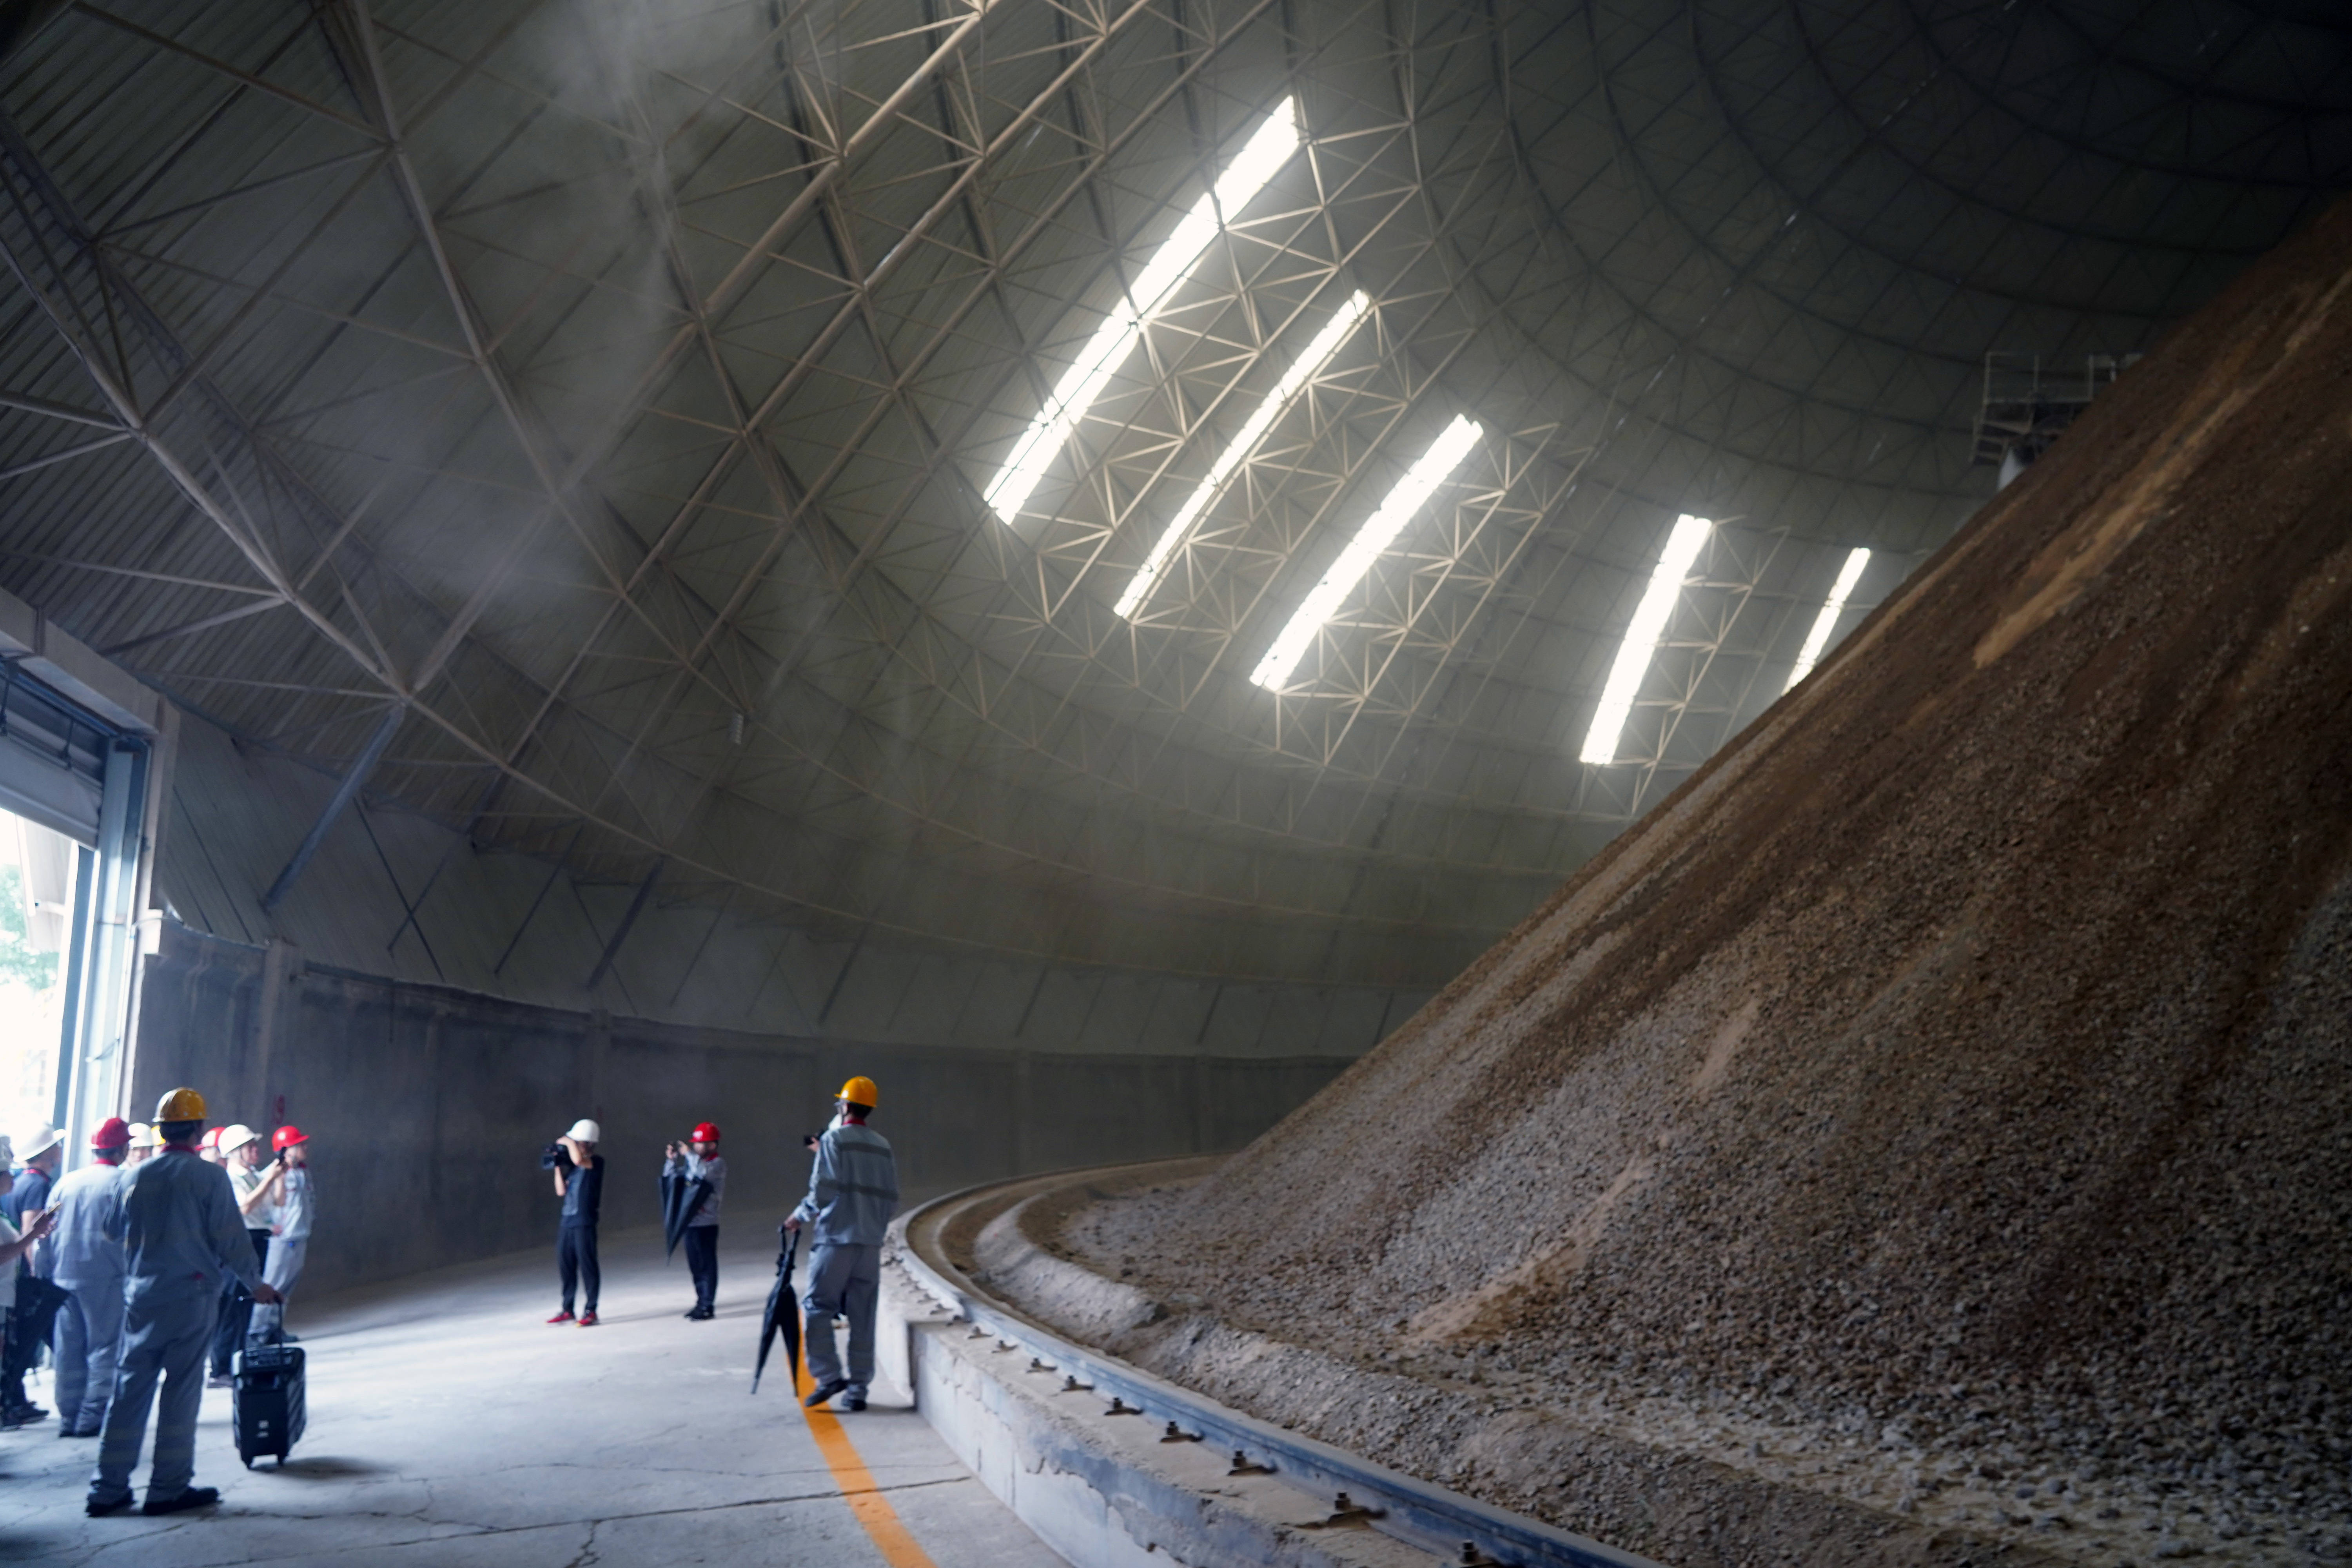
1965, 1059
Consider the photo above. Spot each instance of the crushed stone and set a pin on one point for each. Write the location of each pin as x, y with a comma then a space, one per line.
1942, 1102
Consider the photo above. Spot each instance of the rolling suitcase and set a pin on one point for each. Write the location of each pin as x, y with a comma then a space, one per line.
269, 1401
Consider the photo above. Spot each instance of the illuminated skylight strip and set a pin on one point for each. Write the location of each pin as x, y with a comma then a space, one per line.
1379, 530
1642, 638
1276, 403
1260, 159
1826, 622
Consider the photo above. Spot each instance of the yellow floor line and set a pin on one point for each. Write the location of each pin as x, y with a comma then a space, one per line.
857, 1489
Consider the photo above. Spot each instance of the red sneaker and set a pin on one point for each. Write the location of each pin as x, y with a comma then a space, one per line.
587, 1319
562, 1317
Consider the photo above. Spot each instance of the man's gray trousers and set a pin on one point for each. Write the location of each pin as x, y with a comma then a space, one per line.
165, 1337
844, 1280
88, 1332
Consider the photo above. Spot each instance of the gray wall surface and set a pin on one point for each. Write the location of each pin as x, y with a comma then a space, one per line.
394, 894
429, 1106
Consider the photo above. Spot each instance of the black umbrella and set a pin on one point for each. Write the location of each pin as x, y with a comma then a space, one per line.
783, 1313
681, 1201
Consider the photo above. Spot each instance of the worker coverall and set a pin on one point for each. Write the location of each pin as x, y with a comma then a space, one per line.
184, 1239
852, 1192
86, 1246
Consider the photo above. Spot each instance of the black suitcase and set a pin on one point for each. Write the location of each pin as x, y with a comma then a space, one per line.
269, 1401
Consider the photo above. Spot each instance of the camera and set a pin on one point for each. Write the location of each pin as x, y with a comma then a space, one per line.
555, 1157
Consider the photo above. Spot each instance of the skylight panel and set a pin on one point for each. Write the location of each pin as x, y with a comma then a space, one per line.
1260, 159
1826, 622
1642, 638
1379, 530
1275, 403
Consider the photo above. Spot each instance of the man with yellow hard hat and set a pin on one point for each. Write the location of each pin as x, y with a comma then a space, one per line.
183, 1237
852, 1192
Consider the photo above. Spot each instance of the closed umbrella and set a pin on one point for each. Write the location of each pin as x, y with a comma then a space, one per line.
681, 1201
783, 1313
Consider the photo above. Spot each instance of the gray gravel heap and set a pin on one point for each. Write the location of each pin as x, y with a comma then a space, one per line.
1961, 1067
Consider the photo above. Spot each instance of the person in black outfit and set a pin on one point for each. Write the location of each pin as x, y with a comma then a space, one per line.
580, 1186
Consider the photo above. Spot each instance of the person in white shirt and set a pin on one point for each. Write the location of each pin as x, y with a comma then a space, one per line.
289, 1238
256, 1191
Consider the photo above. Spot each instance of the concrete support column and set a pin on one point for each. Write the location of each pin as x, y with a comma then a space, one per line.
277, 1010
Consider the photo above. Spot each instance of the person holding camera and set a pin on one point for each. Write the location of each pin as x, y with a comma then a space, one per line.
290, 1233
687, 1170
255, 1186
580, 1182
852, 1192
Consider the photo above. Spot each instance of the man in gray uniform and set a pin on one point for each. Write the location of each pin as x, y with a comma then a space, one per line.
852, 1192
183, 1237
88, 1250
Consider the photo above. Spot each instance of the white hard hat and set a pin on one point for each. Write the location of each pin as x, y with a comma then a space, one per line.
235, 1136
39, 1141
586, 1131
142, 1136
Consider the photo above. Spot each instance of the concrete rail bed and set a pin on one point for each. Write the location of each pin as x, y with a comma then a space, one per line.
1110, 1465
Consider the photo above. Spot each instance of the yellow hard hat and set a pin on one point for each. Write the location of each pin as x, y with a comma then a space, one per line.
859, 1091
181, 1105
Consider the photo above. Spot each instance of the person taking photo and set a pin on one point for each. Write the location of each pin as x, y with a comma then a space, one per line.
580, 1182
693, 1177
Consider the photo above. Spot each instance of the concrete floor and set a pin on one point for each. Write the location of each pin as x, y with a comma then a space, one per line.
450, 1426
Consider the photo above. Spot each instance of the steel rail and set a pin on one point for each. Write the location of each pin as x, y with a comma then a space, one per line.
1419, 1513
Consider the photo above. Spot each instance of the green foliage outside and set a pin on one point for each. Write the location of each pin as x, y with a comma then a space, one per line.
18, 961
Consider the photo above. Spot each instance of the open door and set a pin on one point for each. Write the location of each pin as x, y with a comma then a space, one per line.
73, 796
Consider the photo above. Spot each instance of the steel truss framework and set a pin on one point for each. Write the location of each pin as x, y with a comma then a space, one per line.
566, 418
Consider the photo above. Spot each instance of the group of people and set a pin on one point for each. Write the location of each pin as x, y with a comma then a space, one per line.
173, 1246
852, 1192
177, 1245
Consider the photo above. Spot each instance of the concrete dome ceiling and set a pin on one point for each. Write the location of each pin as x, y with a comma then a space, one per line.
577, 415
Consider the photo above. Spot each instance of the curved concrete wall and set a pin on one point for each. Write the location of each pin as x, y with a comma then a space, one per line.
429, 1106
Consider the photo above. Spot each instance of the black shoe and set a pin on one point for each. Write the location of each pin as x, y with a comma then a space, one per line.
703, 1314
18, 1416
825, 1391
77, 1432
195, 1496
854, 1402
98, 1507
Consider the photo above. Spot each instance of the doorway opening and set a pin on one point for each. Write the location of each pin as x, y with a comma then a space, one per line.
73, 798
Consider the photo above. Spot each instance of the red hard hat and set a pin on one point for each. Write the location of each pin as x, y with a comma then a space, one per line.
287, 1137
112, 1133
705, 1132
211, 1140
